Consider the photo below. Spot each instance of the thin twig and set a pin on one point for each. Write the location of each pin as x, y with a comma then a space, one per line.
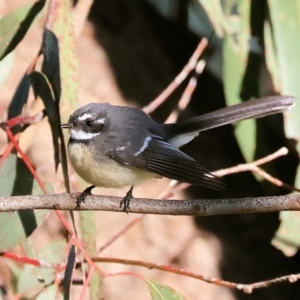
192, 63
247, 288
85, 286
249, 166
166, 268
273, 180
29, 261
187, 94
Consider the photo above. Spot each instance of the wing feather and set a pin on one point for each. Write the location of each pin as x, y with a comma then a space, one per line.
164, 159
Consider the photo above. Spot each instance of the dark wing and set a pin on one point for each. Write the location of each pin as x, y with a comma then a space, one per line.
160, 157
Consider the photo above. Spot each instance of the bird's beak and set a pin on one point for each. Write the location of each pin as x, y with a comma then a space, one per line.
67, 125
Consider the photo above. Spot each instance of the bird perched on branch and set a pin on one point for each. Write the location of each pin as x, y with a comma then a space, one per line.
115, 146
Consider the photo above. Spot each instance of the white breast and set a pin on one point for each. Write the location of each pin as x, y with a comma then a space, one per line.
104, 171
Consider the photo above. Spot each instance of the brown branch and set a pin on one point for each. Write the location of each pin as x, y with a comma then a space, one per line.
201, 207
246, 288
191, 65
244, 168
187, 94
249, 166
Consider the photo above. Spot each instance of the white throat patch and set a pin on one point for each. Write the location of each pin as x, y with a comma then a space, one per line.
78, 135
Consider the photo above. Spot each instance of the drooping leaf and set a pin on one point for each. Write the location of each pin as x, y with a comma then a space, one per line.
286, 37
162, 292
16, 179
271, 57
14, 26
286, 29
41, 87
66, 283
19, 99
50, 65
235, 53
63, 29
255, 58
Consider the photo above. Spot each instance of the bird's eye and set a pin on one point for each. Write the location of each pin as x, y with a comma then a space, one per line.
88, 123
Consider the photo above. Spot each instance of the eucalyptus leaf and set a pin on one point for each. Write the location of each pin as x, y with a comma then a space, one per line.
29, 281
50, 65
63, 29
16, 179
162, 292
19, 99
5, 67
42, 88
14, 26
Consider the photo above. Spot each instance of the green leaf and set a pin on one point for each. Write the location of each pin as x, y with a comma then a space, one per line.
66, 283
235, 49
216, 16
19, 99
245, 134
50, 65
41, 87
162, 292
28, 281
50, 293
5, 67
88, 230
286, 28
271, 57
235, 61
287, 237
63, 29
14, 26
255, 58
16, 179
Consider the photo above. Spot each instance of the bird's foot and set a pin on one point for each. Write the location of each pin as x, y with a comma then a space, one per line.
125, 202
81, 198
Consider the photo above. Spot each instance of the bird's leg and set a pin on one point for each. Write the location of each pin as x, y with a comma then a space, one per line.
81, 198
125, 202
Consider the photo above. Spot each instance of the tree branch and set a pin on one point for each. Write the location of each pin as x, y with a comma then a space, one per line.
201, 207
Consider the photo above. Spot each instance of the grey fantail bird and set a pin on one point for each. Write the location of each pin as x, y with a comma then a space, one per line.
115, 146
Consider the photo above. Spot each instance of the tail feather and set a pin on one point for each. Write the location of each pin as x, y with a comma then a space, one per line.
255, 108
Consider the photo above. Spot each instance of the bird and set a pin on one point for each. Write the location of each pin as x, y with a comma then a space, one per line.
118, 146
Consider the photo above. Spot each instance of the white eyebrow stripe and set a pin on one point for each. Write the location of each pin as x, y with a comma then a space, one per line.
102, 120
78, 135
145, 145
84, 117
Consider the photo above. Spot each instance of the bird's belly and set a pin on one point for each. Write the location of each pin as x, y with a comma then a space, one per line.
104, 171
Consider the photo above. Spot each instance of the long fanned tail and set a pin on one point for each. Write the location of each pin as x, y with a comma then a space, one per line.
249, 109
